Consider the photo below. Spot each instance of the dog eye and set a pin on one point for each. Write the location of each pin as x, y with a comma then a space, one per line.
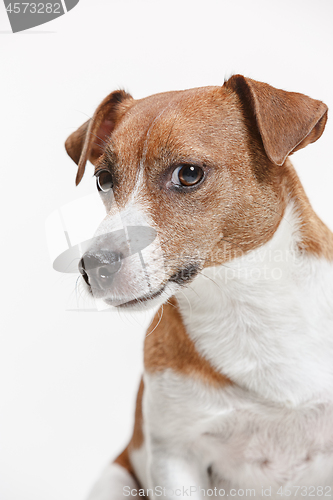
104, 181
187, 175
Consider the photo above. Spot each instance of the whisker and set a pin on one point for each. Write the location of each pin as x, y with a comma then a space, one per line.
189, 303
194, 291
213, 281
83, 113
170, 304
76, 292
99, 138
159, 321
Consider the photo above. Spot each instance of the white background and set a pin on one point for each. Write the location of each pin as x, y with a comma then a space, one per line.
68, 379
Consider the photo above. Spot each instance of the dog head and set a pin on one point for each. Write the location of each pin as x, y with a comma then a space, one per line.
190, 179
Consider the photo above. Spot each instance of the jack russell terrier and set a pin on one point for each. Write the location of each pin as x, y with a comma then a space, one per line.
237, 392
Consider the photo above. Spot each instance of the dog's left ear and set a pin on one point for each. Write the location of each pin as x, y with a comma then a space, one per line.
287, 121
88, 141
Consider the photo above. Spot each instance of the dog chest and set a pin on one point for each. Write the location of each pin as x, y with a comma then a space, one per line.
245, 441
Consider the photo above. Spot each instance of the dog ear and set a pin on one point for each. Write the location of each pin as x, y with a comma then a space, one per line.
88, 141
287, 121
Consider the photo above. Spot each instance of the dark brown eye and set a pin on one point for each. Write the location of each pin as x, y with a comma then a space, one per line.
104, 181
187, 175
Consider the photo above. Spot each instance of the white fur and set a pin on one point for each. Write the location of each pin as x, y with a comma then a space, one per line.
111, 484
266, 321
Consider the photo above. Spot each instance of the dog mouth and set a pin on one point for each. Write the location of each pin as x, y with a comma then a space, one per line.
180, 278
140, 300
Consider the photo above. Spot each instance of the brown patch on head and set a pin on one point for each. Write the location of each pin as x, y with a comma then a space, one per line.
168, 346
237, 198
239, 135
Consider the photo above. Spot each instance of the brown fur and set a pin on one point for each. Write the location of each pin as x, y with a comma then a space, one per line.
137, 438
124, 460
234, 132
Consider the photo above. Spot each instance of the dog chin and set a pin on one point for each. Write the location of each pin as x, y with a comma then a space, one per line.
141, 303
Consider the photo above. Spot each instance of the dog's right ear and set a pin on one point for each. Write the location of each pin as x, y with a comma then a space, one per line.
88, 141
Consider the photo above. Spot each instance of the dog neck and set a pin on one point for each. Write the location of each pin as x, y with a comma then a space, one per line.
265, 319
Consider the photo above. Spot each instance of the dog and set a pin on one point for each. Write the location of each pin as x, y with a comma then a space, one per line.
236, 397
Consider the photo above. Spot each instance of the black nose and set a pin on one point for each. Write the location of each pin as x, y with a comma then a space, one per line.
99, 268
